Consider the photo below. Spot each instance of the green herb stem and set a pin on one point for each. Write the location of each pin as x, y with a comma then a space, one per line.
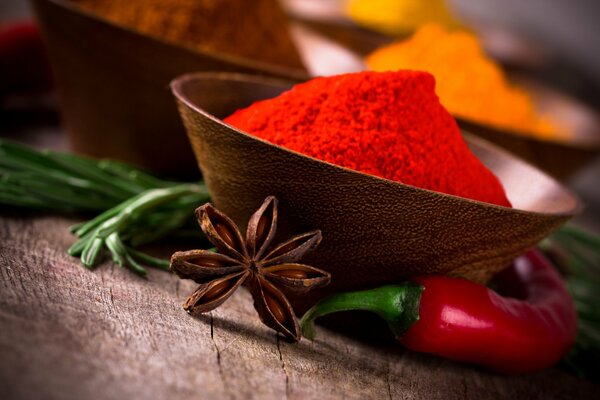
45, 176
128, 220
131, 174
581, 250
135, 207
89, 170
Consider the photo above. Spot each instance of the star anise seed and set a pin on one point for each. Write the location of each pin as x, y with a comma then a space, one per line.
253, 262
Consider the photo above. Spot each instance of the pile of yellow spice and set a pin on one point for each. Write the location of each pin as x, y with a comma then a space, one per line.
470, 85
398, 17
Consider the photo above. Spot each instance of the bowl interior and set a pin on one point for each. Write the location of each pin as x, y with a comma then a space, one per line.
113, 85
217, 96
88, 10
375, 231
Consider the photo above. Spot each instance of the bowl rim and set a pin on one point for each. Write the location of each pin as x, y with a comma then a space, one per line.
178, 83
259, 66
582, 144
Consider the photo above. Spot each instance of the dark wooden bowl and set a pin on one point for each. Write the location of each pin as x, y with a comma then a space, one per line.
113, 86
375, 231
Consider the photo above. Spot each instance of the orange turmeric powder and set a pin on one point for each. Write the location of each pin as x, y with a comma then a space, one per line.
470, 85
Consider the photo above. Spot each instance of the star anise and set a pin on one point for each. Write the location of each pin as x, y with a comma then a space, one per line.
252, 262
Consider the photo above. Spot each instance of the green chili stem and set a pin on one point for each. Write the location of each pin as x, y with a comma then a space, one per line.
398, 305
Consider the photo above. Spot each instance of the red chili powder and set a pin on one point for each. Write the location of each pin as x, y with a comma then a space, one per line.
387, 124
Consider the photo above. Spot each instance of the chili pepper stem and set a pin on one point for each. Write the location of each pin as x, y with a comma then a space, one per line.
398, 305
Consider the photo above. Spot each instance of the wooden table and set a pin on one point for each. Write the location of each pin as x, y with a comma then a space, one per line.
70, 333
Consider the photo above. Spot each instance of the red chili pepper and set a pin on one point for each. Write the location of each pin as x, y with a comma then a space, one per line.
466, 321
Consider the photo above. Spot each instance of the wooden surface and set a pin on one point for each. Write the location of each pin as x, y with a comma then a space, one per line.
70, 333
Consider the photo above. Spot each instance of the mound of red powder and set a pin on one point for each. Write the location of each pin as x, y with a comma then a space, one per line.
388, 124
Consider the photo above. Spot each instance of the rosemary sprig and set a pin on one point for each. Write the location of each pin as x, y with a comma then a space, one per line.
136, 208
55, 181
577, 253
167, 208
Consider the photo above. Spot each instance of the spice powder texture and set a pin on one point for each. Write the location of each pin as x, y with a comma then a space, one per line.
470, 84
254, 29
387, 124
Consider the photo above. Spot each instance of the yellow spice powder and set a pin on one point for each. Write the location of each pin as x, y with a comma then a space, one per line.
470, 85
395, 17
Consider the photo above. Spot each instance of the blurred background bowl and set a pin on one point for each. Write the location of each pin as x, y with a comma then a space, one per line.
375, 231
113, 86
559, 156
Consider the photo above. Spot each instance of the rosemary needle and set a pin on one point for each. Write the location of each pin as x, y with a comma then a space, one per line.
581, 262
135, 207
111, 227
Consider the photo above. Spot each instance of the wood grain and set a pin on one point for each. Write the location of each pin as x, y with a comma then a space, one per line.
113, 87
375, 231
70, 333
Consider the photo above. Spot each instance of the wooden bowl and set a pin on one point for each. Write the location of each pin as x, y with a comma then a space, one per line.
560, 157
113, 86
375, 231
